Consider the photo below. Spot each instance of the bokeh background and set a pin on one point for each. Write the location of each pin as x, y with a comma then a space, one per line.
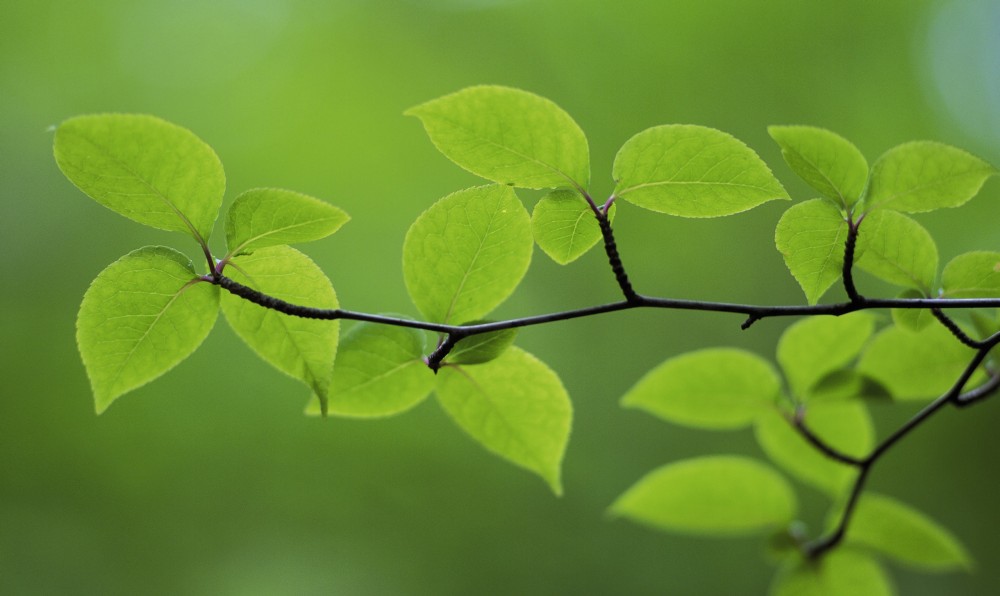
211, 481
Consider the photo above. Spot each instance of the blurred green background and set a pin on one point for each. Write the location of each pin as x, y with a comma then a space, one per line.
211, 481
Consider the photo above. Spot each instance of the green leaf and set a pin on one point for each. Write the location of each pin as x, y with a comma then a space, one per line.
826, 161
844, 425
838, 573
564, 226
467, 253
508, 136
514, 406
147, 169
923, 176
379, 371
972, 275
912, 319
271, 216
719, 388
906, 535
301, 348
142, 316
483, 347
921, 365
692, 171
846, 384
813, 347
896, 249
810, 237
715, 495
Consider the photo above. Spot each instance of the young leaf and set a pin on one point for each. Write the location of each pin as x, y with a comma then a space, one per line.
972, 275
896, 249
301, 348
826, 161
844, 425
379, 371
564, 226
839, 572
715, 495
923, 176
271, 216
477, 349
514, 406
508, 136
142, 316
715, 388
813, 347
467, 253
910, 537
147, 169
912, 319
692, 171
810, 237
918, 365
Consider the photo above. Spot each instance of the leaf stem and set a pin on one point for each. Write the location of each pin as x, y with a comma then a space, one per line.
849, 248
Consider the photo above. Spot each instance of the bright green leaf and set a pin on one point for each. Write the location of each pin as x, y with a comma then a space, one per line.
815, 346
923, 176
826, 161
564, 226
719, 388
147, 169
811, 237
482, 347
840, 572
271, 216
301, 348
467, 253
846, 384
897, 249
508, 136
972, 275
142, 316
920, 365
901, 532
912, 319
844, 425
379, 371
514, 406
692, 171
715, 495
986, 323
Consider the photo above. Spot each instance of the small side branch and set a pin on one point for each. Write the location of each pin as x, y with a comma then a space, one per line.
798, 421
849, 248
611, 248
957, 331
444, 348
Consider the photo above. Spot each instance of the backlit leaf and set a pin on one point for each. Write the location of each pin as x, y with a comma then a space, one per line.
514, 406
714, 495
301, 348
972, 275
912, 319
811, 237
901, 532
844, 425
715, 388
564, 226
142, 316
467, 253
826, 161
815, 346
923, 175
897, 249
508, 136
838, 573
692, 171
271, 216
482, 347
915, 365
147, 169
379, 371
